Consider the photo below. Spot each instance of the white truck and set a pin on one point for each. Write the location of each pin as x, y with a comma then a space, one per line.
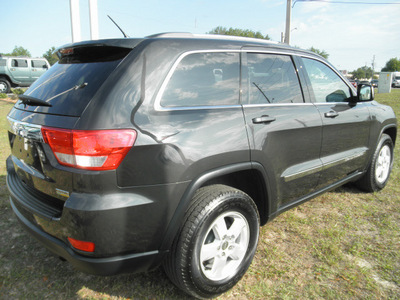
396, 79
20, 71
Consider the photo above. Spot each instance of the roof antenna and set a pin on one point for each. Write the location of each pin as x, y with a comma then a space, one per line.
125, 35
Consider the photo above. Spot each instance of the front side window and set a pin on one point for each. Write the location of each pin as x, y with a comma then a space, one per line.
204, 79
272, 79
326, 84
19, 63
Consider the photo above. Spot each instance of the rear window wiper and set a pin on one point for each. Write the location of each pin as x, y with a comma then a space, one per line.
74, 88
29, 100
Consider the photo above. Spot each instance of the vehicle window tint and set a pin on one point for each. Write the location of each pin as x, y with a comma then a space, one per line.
39, 64
19, 63
59, 82
204, 79
3, 62
272, 79
326, 84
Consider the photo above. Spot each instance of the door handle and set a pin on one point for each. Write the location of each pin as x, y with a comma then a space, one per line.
331, 114
263, 120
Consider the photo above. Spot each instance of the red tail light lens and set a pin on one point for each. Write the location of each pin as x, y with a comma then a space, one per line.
82, 245
89, 149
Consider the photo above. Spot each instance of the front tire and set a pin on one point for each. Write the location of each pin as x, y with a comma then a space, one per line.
378, 172
216, 243
4, 85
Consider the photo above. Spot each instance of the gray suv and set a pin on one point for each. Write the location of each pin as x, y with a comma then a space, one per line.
20, 71
173, 149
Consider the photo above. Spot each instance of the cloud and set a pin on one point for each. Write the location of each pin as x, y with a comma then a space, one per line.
351, 34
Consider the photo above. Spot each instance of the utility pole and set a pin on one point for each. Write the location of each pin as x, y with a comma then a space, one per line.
288, 17
94, 20
373, 66
75, 21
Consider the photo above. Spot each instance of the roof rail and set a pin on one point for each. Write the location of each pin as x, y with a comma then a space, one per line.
207, 36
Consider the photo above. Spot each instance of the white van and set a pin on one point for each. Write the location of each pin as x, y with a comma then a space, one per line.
396, 79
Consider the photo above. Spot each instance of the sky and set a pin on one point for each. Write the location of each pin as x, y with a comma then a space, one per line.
352, 34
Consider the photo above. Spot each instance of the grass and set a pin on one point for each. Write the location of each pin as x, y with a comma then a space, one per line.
343, 244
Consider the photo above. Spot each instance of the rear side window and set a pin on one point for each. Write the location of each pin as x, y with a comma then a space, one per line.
71, 83
204, 79
19, 63
272, 79
39, 64
326, 84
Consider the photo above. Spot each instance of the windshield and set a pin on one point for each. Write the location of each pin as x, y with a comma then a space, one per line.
70, 84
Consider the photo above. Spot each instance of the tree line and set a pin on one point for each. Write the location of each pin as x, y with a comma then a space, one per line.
392, 65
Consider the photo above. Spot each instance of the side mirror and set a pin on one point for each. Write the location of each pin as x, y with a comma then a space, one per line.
365, 92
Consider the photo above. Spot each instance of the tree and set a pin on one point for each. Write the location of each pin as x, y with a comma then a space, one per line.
50, 55
392, 65
19, 51
363, 72
323, 53
239, 32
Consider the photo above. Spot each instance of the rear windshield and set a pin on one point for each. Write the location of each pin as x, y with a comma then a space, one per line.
71, 83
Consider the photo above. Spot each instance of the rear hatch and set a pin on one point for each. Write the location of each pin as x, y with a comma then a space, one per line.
56, 100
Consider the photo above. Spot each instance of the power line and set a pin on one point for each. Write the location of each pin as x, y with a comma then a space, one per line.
348, 2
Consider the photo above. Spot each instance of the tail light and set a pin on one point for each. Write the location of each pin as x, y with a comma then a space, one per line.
82, 245
89, 149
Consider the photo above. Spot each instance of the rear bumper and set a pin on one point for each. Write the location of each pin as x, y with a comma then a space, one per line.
127, 226
139, 262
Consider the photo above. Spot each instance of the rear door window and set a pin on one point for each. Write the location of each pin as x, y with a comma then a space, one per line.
204, 79
272, 79
39, 64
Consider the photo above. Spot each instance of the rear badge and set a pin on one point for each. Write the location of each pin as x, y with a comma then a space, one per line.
62, 193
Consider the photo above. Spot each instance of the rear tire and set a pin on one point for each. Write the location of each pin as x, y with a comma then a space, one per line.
216, 244
378, 172
4, 85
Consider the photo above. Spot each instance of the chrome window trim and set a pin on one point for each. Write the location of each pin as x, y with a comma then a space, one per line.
330, 103
278, 104
157, 102
205, 107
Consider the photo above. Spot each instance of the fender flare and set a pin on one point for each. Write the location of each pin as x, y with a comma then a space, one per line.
176, 221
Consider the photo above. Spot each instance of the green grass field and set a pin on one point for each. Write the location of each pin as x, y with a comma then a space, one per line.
343, 244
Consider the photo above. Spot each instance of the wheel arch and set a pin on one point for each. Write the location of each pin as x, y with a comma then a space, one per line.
248, 177
8, 78
390, 131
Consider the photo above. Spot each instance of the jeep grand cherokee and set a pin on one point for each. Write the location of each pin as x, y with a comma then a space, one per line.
173, 149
